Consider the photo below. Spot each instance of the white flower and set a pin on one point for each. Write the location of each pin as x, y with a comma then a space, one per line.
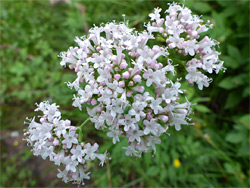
78, 153
60, 128
69, 139
152, 127
70, 164
156, 15
63, 174
59, 157
135, 134
155, 105
128, 122
52, 112
130, 150
90, 151
47, 152
114, 133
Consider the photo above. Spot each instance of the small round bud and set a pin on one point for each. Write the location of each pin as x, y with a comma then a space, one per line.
117, 76
123, 65
125, 75
93, 102
137, 78
67, 122
122, 84
56, 142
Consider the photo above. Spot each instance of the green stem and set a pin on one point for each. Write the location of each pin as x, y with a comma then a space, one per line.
84, 123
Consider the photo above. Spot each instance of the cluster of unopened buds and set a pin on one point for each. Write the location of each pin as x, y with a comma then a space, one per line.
125, 85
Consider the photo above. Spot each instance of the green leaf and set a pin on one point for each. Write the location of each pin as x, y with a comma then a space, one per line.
226, 83
234, 52
245, 120
233, 100
230, 62
201, 7
153, 171
229, 168
202, 108
234, 138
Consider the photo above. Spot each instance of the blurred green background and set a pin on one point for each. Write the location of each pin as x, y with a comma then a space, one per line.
213, 153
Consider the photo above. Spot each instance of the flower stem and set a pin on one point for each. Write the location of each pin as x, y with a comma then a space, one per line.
84, 123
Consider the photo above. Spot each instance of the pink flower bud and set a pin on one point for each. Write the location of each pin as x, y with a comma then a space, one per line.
129, 93
103, 83
125, 75
164, 118
56, 142
123, 56
116, 69
139, 89
156, 66
96, 145
64, 146
56, 157
130, 70
117, 76
99, 109
137, 78
161, 30
67, 122
122, 83
114, 58
131, 83
133, 54
108, 68
98, 48
72, 128
143, 116
171, 46
149, 111
42, 120
149, 116
123, 65
71, 66
93, 102
157, 91
160, 22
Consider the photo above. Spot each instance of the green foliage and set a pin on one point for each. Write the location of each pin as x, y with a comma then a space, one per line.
213, 153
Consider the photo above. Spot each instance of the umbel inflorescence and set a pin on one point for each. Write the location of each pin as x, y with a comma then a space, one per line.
125, 84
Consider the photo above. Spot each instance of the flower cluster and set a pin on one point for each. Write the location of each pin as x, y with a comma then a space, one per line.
128, 86
56, 139
181, 31
128, 91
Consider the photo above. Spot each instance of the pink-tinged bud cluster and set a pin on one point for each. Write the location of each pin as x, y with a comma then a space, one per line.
181, 31
121, 72
56, 139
